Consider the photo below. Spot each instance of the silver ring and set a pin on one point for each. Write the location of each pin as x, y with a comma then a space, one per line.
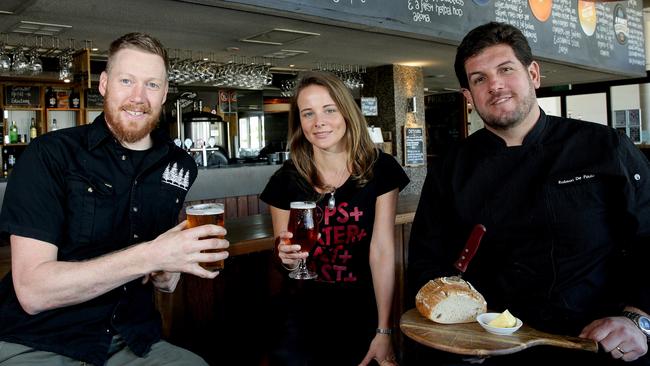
620, 350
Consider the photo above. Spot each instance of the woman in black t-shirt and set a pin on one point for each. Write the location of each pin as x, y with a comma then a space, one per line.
342, 317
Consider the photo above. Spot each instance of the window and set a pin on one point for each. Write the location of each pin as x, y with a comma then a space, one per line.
251, 135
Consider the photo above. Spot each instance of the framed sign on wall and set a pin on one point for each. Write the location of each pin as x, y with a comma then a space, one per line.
414, 146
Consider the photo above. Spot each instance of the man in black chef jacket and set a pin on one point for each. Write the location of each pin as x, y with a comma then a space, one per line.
92, 212
566, 205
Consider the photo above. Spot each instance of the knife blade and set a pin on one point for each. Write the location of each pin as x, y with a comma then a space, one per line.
471, 246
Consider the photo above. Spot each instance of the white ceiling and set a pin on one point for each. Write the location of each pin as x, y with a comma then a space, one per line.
180, 24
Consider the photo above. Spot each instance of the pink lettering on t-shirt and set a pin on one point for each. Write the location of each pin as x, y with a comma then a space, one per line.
333, 254
356, 214
339, 271
344, 256
344, 217
326, 234
328, 213
324, 273
339, 234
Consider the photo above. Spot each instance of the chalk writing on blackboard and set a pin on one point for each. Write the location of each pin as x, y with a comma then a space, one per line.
369, 106
602, 35
94, 99
26, 96
414, 146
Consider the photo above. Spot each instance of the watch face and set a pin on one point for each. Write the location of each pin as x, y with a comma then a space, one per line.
644, 323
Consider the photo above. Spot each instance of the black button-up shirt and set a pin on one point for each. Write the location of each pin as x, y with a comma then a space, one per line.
80, 190
567, 216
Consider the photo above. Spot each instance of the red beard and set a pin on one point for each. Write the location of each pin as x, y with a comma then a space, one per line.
130, 131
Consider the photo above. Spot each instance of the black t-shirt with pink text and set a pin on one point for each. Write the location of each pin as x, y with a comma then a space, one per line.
341, 254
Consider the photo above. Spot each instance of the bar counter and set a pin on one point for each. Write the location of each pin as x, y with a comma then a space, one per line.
255, 233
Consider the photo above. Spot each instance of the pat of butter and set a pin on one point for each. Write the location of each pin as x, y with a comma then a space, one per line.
504, 320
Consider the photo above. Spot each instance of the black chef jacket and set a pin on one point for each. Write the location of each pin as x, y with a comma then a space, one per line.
78, 189
567, 216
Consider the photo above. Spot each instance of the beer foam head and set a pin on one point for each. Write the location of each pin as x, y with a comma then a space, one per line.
303, 205
205, 209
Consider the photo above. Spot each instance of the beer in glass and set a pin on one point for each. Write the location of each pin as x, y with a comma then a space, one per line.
303, 224
202, 214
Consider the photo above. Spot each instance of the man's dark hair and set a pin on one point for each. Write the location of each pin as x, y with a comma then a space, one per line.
137, 41
488, 35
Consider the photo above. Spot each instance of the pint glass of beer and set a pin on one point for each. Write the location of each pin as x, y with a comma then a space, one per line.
207, 213
303, 224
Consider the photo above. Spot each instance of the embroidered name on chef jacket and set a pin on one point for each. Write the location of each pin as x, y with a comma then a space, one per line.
576, 179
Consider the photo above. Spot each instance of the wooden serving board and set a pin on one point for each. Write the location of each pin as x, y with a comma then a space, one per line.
472, 339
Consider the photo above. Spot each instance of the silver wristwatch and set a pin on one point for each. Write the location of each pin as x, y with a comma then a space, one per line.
641, 321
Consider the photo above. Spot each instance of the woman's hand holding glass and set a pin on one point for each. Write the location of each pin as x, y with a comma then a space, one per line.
289, 254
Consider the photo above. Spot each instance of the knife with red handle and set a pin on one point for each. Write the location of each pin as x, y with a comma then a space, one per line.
470, 248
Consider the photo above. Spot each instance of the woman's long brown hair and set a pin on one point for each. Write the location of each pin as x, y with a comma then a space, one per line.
361, 150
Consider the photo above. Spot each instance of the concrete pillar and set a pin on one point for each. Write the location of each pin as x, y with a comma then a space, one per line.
393, 85
644, 100
644, 89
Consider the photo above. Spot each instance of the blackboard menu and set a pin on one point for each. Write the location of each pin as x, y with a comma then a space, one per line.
94, 99
607, 36
23, 96
413, 146
369, 106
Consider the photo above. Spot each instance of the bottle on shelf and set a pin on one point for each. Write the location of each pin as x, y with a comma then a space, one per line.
4, 163
50, 98
33, 132
54, 126
13, 133
74, 99
5, 119
11, 161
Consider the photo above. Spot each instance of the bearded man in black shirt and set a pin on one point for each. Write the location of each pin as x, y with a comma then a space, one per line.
92, 213
566, 205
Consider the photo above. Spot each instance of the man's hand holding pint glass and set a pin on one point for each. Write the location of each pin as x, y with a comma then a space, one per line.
195, 246
203, 214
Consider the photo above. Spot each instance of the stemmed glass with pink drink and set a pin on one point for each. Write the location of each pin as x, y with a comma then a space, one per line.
303, 224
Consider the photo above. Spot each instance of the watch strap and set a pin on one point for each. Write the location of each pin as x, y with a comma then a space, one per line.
635, 318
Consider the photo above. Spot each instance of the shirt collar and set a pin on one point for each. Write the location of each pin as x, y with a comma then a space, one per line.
534, 135
99, 132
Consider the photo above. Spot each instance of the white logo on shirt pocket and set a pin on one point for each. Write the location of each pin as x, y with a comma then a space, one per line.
177, 177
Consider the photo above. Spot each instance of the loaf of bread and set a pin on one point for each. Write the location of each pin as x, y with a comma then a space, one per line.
450, 300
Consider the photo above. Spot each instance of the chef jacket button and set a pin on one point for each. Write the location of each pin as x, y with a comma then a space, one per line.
124, 288
135, 209
177, 200
135, 236
108, 331
637, 176
123, 157
90, 189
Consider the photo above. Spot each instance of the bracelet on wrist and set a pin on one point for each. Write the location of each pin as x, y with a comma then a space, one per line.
387, 331
289, 268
